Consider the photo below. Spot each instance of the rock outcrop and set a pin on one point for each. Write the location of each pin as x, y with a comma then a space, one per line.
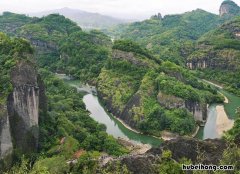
6, 145
23, 107
19, 118
199, 110
205, 152
128, 56
229, 7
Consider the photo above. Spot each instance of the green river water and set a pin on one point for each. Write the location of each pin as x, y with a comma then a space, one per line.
209, 130
114, 127
117, 129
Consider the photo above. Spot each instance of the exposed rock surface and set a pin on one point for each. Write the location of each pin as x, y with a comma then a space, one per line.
206, 152
6, 146
20, 116
23, 107
128, 56
229, 7
198, 110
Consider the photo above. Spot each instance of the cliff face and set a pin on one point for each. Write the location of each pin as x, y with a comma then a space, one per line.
199, 110
19, 119
6, 146
23, 107
229, 7
218, 49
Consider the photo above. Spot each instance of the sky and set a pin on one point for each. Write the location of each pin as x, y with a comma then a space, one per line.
128, 9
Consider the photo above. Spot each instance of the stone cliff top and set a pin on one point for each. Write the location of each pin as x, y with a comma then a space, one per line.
229, 7
24, 74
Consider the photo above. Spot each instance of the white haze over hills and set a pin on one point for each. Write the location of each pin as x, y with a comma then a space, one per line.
105, 13
85, 19
123, 9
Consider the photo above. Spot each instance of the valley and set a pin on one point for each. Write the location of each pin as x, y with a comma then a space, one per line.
164, 92
114, 127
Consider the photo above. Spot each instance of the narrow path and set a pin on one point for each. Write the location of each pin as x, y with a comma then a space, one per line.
218, 86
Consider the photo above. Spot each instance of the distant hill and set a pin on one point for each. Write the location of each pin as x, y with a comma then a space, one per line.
171, 37
85, 19
217, 54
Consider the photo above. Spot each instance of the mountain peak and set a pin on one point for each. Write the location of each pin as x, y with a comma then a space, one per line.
228, 7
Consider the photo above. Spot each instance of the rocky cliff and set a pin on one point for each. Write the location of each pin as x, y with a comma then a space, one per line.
6, 145
23, 107
204, 152
199, 110
19, 119
229, 7
147, 95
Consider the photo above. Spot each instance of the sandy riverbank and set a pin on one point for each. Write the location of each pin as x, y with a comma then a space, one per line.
223, 123
225, 98
165, 134
134, 148
168, 135
125, 125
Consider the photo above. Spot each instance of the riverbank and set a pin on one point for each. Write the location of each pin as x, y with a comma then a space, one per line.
223, 123
134, 148
218, 118
196, 132
125, 125
165, 135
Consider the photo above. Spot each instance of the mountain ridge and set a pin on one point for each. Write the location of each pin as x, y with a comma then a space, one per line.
85, 19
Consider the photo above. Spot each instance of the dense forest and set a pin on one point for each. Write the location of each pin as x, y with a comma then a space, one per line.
158, 93
148, 76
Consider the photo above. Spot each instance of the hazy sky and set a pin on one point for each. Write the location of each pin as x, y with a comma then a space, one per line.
135, 9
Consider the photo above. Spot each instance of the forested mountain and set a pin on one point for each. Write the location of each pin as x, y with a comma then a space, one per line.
60, 44
150, 79
172, 37
46, 116
10, 22
217, 54
152, 97
84, 19
190, 38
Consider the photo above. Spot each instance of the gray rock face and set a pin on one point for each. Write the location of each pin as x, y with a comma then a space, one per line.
128, 56
198, 110
23, 107
229, 7
200, 152
6, 146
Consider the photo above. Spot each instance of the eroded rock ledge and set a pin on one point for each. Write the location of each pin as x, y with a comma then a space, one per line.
205, 152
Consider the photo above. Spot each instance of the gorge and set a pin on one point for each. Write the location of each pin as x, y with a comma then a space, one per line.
164, 92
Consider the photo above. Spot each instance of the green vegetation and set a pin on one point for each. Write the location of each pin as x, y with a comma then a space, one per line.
11, 51
220, 49
171, 38
60, 44
66, 130
10, 22
144, 83
67, 119
138, 86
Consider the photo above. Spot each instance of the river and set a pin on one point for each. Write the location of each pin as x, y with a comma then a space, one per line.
97, 112
217, 114
117, 129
